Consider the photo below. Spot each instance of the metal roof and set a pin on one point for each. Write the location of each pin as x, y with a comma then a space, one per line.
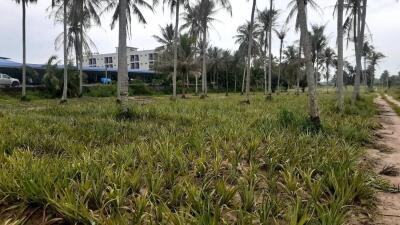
5, 63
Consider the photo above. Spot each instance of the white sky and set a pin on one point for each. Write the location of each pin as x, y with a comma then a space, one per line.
383, 21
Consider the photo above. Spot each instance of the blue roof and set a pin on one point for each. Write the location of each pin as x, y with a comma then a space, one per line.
5, 63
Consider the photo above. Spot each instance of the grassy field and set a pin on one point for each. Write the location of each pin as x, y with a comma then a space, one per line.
192, 161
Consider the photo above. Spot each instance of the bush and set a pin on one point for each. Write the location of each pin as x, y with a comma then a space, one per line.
53, 80
101, 91
139, 88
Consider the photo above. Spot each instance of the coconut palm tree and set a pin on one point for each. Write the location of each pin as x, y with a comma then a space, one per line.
267, 19
24, 3
62, 4
242, 39
374, 59
355, 26
340, 62
192, 19
318, 43
328, 58
281, 35
312, 94
175, 6
82, 14
123, 9
293, 13
166, 39
253, 9
366, 50
207, 10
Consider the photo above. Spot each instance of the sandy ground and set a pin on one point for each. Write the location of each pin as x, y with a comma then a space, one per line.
388, 155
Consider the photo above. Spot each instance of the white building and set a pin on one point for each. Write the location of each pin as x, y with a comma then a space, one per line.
137, 60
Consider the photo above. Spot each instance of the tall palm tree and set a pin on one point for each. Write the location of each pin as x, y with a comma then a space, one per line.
253, 9
267, 19
175, 6
24, 3
122, 13
312, 94
355, 26
62, 4
293, 13
340, 62
366, 50
81, 15
318, 43
207, 11
328, 59
281, 35
242, 39
192, 19
166, 39
374, 59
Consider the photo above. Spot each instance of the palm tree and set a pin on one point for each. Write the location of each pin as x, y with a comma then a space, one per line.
281, 35
366, 50
253, 9
167, 37
340, 62
175, 6
81, 15
24, 3
328, 59
122, 13
374, 59
318, 43
242, 39
192, 19
355, 24
63, 4
312, 95
267, 19
293, 13
207, 11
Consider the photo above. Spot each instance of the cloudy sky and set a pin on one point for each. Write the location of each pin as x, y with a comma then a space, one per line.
383, 22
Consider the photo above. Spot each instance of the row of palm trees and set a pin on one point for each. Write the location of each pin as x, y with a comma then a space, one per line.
78, 16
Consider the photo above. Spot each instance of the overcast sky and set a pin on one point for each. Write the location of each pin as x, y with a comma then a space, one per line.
383, 22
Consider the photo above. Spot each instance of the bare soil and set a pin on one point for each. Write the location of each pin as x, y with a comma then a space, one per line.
387, 163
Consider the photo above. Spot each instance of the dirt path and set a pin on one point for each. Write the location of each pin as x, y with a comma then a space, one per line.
387, 159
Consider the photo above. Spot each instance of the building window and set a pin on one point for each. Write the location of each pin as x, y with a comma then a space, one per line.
151, 57
92, 62
151, 65
108, 60
109, 66
135, 66
134, 58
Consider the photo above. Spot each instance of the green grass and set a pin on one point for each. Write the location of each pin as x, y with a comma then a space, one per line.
212, 161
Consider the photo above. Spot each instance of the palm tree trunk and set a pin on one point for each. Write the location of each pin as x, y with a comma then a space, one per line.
204, 71
122, 58
280, 66
23, 49
360, 21
197, 86
269, 97
299, 69
65, 89
235, 81
175, 51
327, 77
248, 80
312, 95
265, 65
226, 78
81, 61
244, 78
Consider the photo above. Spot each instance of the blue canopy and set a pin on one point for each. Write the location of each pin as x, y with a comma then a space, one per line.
5, 63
